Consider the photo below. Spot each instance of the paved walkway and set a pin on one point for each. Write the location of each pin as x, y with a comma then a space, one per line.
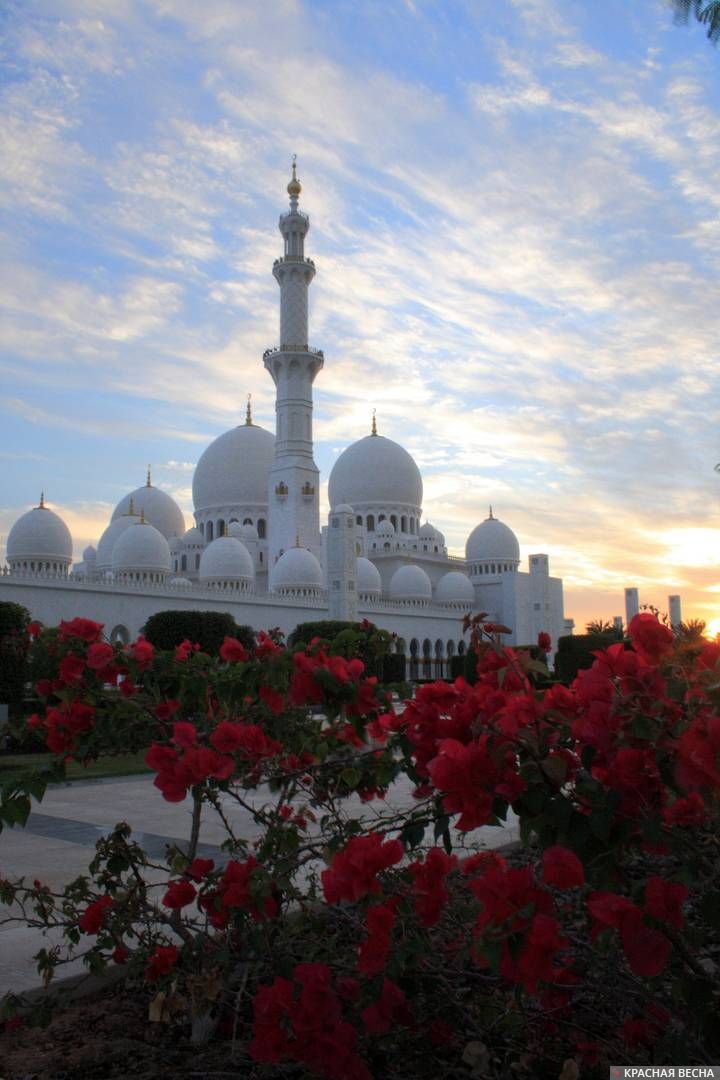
59, 840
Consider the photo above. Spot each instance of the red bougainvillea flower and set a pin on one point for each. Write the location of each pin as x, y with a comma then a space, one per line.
233, 651
471, 776
664, 901
538, 954
688, 811
179, 894
353, 871
274, 700
390, 1008
248, 739
99, 655
234, 891
544, 641
509, 898
372, 954
142, 652
34, 629
698, 752
184, 734
647, 950
162, 962
650, 639
265, 646
562, 868
429, 892
165, 709
93, 918
71, 669
120, 955
85, 629
185, 649
200, 868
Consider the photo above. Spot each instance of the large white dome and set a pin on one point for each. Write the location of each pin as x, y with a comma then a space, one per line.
226, 559
297, 568
40, 534
141, 548
375, 471
455, 588
410, 583
492, 539
109, 538
234, 469
369, 582
160, 510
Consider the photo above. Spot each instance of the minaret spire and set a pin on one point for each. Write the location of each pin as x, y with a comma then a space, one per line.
42, 501
294, 481
373, 430
248, 411
148, 482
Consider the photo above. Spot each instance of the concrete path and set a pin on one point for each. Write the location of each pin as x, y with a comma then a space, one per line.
59, 839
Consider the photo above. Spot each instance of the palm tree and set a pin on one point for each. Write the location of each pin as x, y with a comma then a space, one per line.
599, 626
692, 631
706, 12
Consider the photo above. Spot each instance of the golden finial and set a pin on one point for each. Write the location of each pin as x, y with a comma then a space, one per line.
297, 539
294, 187
131, 507
248, 411
373, 430
490, 515
42, 505
147, 482
142, 516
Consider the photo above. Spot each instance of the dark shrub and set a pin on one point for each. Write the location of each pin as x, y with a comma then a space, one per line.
575, 652
166, 629
14, 620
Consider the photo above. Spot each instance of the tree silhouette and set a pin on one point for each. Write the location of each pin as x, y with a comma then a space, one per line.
707, 12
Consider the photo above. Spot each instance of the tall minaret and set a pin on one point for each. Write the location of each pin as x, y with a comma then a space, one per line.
293, 496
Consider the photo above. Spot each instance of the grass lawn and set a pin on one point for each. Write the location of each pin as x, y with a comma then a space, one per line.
14, 765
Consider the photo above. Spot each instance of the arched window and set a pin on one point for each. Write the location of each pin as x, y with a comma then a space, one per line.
403, 524
386, 546
260, 556
261, 528
358, 519
201, 527
393, 521
197, 562
119, 635
221, 527
183, 562
370, 523
246, 521
461, 648
209, 534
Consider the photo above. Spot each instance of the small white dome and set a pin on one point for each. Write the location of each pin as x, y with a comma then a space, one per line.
427, 531
142, 547
492, 539
249, 532
234, 469
109, 538
159, 508
181, 582
226, 559
410, 583
193, 538
42, 535
89, 554
385, 528
375, 471
297, 568
455, 588
343, 508
369, 582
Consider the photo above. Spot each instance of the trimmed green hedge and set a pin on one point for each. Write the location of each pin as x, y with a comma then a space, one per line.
575, 653
208, 629
14, 620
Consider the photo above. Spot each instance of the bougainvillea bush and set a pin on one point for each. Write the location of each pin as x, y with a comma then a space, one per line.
345, 935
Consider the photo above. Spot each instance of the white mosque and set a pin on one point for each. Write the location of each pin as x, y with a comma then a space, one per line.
257, 548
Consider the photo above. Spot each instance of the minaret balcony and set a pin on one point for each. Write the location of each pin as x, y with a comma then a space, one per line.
308, 490
294, 259
293, 348
281, 490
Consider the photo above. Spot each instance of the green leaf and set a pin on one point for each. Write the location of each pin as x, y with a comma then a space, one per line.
350, 778
413, 833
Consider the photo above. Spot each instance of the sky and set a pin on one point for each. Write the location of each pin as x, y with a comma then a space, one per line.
515, 219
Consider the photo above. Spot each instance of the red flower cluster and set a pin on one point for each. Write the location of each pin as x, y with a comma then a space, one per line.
176, 774
93, 918
179, 894
380, 920
234, 891
249, 740
562, 868
650, 639
63, 723
647, 950
233, 651
84, 629
162, 962
353, 871
472, 776
307, 1027
390, 1008
429, 892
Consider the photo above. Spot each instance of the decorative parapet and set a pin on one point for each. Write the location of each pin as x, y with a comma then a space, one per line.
273, 349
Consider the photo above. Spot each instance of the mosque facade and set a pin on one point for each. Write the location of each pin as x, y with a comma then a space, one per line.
258, 548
